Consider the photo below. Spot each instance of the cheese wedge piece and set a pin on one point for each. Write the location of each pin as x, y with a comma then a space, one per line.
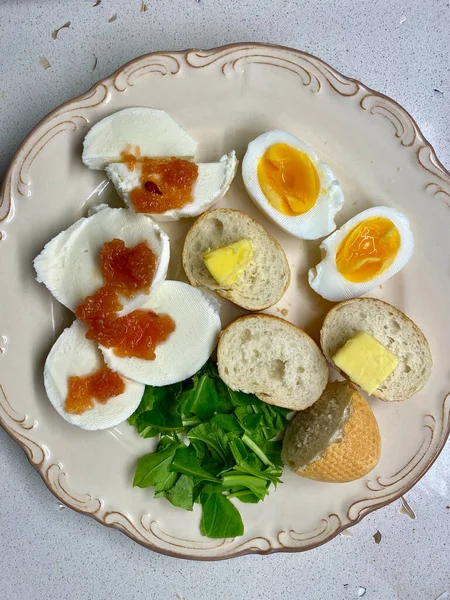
74, 355
149, 131
197, 328
213, 182
69, 265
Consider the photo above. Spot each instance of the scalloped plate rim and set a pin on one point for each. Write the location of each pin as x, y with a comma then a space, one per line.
38, 466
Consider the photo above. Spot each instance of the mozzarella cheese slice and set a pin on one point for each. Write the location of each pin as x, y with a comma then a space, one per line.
74, 355
197, 328
151, 131
213, 182
69, 265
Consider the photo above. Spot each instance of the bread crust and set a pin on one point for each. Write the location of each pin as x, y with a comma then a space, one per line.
356, 454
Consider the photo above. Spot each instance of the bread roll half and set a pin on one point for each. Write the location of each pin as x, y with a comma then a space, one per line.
336, 440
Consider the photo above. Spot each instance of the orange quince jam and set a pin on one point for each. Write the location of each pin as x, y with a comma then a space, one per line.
101, 385
166, 183
126, 271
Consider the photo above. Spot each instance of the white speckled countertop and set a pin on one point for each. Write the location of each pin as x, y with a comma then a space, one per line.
399, 48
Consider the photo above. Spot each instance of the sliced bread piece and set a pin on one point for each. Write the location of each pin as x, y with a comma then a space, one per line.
335, 440
270, 357
262, 283
391, 328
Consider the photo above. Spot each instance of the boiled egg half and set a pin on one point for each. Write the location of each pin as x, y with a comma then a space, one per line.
362, 254
69, 265
73, 355
197, 327
164, 185
288, 182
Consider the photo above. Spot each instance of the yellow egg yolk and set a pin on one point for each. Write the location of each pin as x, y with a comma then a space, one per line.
368, 249
288, 179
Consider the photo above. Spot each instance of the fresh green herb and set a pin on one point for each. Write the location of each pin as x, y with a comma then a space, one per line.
181, 494
220, 518
154, 469
185, 461
216, 444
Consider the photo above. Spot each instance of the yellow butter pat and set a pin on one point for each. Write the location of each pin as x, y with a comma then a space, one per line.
227, 263
366, 361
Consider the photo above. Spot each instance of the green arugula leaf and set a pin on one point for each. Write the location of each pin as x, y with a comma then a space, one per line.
220, 518
256, 485
203, 399
242, 399
251, 422
154, 469
244, 495
211, 488
145, 404
234, 451
226, 404
181, 494
185, 461
214, 437
228, 423
163, 416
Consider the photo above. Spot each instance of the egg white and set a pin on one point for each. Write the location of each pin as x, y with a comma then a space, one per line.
329, 283
213, 182
69, 265
197, 328
316, 222
74, 355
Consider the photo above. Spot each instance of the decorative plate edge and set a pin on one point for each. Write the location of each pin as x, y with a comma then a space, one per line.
164, 63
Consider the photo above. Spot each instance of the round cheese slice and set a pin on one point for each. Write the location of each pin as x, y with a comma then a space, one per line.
69, 265
213, 182
74, 355
188, 347
148, 131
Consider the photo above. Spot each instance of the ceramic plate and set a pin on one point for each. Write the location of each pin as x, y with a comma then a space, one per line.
226, 97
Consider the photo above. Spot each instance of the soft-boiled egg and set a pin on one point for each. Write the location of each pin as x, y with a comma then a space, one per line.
69, 265
288, 182
73, 355
188, 347
152, 131
362, 254
212, 181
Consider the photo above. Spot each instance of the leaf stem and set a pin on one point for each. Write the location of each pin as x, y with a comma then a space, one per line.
256, 449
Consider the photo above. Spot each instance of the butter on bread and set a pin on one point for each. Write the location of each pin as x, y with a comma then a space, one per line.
365, 361
226, 263
394, 330
262, 283
336, 440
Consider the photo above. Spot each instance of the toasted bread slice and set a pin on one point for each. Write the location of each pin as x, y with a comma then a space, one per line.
336, 440
270, 357
262, 283
394, 330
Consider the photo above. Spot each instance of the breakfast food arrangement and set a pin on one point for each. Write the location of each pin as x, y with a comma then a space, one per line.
228, 404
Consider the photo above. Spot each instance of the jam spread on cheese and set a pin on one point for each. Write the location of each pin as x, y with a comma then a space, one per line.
101, 385
136, 334
126, 271
166, 183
